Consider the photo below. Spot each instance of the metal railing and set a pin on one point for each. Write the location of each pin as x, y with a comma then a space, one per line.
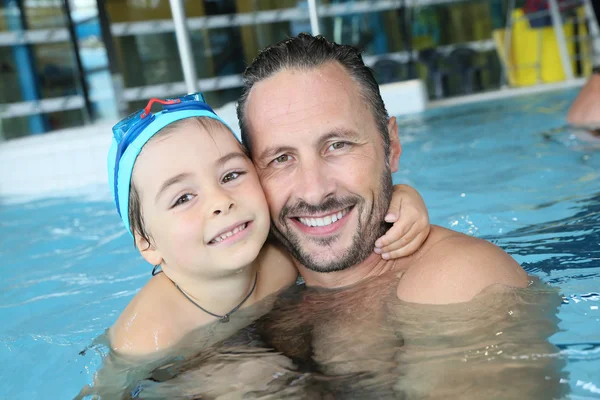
138, 28
206, 85
120, 29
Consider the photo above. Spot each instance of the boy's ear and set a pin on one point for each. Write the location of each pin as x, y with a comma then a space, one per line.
395, 147
148, 251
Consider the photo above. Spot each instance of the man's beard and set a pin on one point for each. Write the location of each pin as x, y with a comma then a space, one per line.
370, 227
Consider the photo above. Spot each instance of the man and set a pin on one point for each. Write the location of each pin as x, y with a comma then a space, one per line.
324, 147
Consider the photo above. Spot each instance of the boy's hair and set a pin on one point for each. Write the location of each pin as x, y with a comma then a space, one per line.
136, 216
306, 52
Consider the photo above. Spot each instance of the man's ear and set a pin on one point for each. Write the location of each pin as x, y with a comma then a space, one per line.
148, 251
395, 147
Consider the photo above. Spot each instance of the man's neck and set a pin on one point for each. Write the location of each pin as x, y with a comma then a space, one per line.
373, 266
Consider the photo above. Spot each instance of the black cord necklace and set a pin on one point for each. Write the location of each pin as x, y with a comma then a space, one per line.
222, 318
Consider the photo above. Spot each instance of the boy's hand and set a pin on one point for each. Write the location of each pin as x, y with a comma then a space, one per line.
409, 215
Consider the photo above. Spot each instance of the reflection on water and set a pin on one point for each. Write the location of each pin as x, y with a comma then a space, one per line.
511, 173
362, 342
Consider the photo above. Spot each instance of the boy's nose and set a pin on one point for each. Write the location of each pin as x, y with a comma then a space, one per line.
224, 207
222, 202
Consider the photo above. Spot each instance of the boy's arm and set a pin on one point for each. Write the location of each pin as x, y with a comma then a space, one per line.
409, 215
276, 269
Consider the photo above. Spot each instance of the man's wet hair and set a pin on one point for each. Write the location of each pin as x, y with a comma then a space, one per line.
306, 52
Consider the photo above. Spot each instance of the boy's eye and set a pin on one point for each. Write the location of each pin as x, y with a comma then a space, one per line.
231, 176
183, 199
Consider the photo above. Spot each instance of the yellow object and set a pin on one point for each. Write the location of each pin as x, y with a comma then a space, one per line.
533, 56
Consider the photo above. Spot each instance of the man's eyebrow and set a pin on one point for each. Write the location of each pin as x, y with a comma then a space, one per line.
171, 181
335, 133
273, 150
339, 133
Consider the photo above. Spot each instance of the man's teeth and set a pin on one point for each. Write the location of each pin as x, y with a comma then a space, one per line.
229, 234
324, 221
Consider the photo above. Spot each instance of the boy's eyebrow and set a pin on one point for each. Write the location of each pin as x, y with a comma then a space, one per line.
180, 177
230, 156
171, 181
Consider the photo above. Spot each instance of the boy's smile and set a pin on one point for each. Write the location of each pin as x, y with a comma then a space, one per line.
200, 195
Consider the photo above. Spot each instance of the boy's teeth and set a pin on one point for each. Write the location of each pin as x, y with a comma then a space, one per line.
324, 221
229, 234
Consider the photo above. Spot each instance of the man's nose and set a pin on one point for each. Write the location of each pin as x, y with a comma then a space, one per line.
222, 203
315, 183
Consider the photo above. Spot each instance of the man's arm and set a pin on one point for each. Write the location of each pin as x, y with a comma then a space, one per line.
456, 268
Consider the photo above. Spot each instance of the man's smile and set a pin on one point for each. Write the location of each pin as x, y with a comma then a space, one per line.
322, 225
325, 220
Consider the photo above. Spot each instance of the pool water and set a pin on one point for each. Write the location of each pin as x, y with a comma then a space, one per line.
507, 171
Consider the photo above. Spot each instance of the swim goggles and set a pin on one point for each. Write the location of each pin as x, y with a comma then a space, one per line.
133, 132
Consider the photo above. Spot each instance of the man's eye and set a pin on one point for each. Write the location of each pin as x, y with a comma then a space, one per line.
337, 145
183, 199
281, 159
231, 176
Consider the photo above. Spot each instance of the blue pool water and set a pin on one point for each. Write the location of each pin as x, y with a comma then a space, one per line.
507, 171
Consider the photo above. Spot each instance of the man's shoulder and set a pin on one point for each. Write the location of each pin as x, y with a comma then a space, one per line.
454, 268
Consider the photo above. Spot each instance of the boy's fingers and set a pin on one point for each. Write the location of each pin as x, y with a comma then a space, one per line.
393, 211
407, 250
394, 233
400, 242
391, 217
396, 245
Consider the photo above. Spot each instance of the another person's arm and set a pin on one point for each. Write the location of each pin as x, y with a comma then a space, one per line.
585, 110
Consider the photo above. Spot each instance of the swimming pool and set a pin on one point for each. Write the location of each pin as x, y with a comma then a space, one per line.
504, 170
